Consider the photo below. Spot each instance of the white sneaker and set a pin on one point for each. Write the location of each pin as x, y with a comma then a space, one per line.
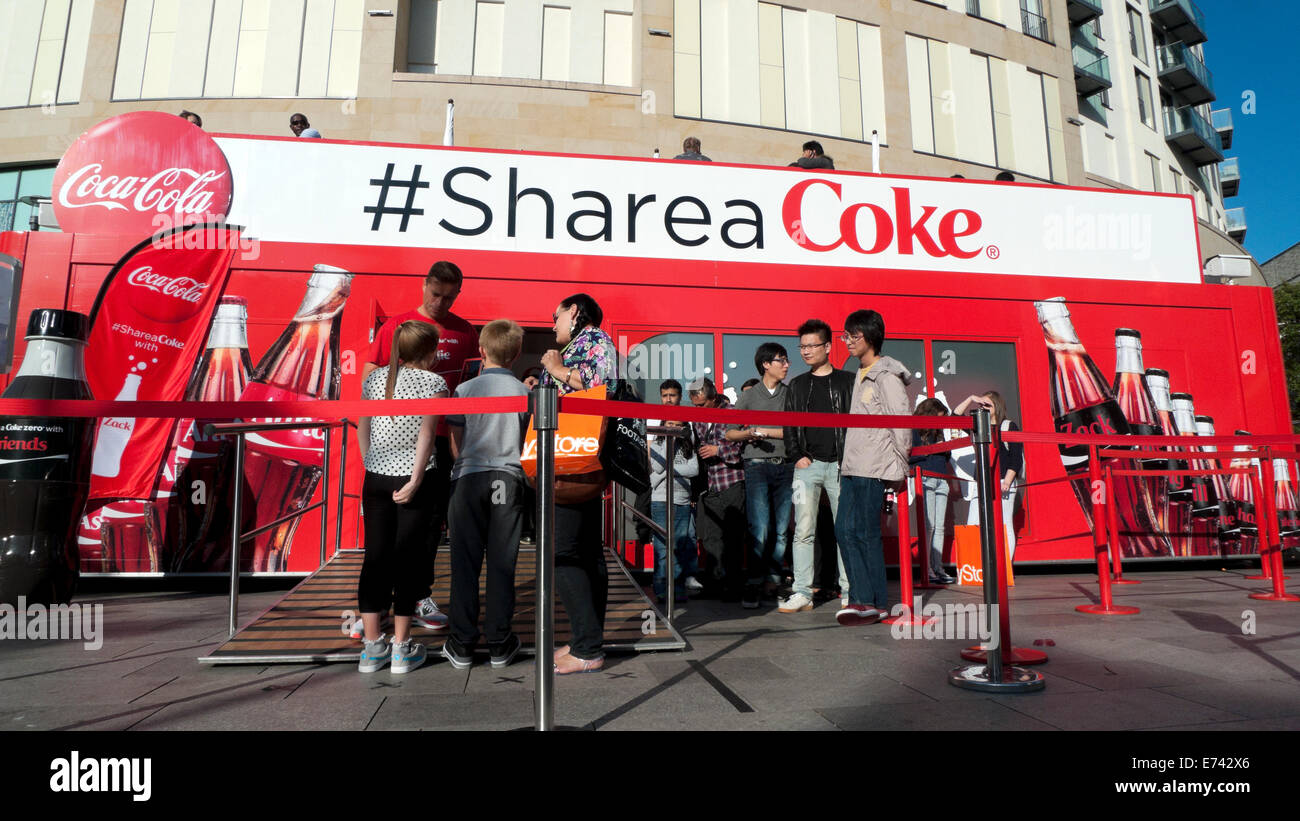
693, 585
795, 603
358, 630
428, 615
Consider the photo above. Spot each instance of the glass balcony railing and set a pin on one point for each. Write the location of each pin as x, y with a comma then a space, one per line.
1236, 219
1091, 70
1190, 132
1086, 36
1182, 17
1229, 177
1035, 25
1222, 122
1081, 11
1180, 68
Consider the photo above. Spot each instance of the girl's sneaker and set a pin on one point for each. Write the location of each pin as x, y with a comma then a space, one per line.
376, 654
407, 656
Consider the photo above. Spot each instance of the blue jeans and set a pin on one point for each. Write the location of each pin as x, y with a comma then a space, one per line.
768, 491
685, 556
857, 529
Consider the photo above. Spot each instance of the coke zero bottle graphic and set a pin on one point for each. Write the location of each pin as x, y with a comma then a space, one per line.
284, 466
1144, 500
1242, 491
1180, 490
45, 465
1229, 530
1082, 402
1205, 500
1288, 511
199, 465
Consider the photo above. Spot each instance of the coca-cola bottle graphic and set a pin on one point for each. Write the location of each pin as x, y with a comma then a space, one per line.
45, 465
115, 431
130, 532
1288, 511
1144, 501
284, 466
1242, 491
1205, 499
1157, 380
201, 466
1082, 401
1229, 530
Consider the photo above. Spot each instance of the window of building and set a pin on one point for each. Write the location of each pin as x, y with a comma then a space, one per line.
1155, 171
1136, 40
1033, 20
1178, 180
239, 48
738, 357
43, 47
16, 183
681, 356
1145, 111
764, 64
911, 353
592, 41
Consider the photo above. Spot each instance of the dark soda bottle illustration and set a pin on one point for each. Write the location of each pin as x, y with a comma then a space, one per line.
1205, 500
1229, 529
284, 466
1288, 511
45, 466
1242, 491
1144, 501
202, 466
1157, 380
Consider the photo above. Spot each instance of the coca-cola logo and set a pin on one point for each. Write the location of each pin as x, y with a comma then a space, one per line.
170, 298
186, 289
137, 172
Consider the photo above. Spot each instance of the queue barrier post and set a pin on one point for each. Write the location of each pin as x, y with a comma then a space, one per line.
992, 675
1101, 502
1270, 532
908, 615
546, 414
237, 516
1116, 547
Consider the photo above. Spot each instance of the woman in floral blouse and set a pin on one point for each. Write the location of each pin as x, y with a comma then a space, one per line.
588, 359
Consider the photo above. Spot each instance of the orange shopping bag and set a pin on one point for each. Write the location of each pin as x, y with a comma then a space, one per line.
969, 558
579, 477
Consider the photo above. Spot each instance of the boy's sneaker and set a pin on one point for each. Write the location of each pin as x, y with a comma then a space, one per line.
796, 603
693, 585
358, 630
504, 653
428, 615
407, 656
456, 653
749, 600
857, 615
376, 654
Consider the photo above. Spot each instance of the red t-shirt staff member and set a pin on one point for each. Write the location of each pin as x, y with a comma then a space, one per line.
457, 341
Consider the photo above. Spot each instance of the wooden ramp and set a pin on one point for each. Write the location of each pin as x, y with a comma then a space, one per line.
307, 625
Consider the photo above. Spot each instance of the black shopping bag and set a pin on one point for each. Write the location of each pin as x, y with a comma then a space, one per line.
623, 452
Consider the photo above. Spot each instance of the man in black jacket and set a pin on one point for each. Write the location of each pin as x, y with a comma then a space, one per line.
815, 452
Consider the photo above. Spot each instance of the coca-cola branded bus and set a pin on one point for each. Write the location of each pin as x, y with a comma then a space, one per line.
695, 265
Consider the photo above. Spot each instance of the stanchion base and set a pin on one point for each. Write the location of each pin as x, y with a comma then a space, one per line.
1018, 655
1113, 610
1259, 577
1274, 597
563, 728
1014, 680
1125, 581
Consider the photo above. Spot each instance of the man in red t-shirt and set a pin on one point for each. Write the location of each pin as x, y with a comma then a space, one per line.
457, 341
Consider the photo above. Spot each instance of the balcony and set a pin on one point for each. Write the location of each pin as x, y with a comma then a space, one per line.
1182, 71
1222, 122
1081, 11
1229, 177
1188, 131
1091, 70
1236, 218
1035, 25
1181, 18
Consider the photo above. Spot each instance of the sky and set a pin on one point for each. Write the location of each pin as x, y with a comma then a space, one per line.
1252, 51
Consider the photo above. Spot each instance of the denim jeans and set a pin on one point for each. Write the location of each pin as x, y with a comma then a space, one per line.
857, 528
685, 556
936, 510
768, 489
808, 485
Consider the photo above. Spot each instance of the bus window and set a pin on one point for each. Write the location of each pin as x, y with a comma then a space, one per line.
911, 352
738, 358
966, 368
680, 356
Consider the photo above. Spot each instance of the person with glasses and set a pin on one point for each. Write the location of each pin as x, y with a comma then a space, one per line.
873, 459
815, 454
301, 128
768, 476
457, 341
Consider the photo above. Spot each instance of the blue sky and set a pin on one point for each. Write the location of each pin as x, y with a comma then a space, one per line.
1252, 47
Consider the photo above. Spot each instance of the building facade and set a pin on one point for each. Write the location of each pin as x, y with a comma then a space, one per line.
1108, 93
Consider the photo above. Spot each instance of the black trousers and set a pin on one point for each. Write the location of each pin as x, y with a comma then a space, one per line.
581, 577
397, 545
485, 516
438, 500
722, 527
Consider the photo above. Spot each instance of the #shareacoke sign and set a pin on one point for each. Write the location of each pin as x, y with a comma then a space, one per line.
335, 193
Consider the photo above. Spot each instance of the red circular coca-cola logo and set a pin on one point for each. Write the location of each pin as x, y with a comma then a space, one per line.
140, 173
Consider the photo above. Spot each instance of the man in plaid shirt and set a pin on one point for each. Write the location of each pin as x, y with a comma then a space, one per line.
720, 517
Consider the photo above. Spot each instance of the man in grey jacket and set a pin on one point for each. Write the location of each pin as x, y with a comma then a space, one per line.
873, 459
685, 467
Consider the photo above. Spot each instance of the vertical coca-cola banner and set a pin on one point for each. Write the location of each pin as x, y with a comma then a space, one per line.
148, 328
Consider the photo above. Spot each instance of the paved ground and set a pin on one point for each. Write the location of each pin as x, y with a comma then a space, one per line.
1184, 663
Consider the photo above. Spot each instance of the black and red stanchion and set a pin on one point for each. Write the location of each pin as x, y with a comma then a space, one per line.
1100, 539
1271, 534
993, 675
910, 615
